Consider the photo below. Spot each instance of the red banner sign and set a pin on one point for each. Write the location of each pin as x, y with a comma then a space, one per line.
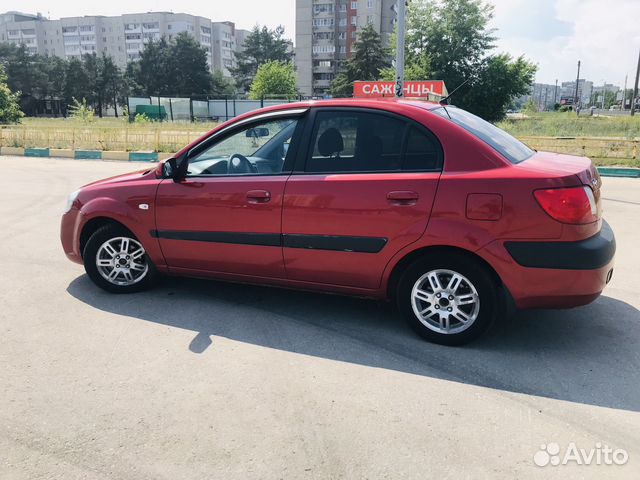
421, 89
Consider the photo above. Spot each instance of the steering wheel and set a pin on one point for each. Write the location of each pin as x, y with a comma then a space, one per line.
238, 164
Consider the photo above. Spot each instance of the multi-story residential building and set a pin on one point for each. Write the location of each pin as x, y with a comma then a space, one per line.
585, 89
545, 95
123, 37
326, 31
597, 92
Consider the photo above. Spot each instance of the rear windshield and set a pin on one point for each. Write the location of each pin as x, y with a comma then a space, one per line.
514, 150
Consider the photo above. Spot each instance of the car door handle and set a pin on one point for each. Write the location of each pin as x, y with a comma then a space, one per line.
258, 196
402, 197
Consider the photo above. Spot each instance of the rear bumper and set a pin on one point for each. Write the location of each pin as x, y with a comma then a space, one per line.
554, 274
589, 254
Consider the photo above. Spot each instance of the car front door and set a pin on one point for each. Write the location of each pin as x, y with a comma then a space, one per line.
362, 191
225, 216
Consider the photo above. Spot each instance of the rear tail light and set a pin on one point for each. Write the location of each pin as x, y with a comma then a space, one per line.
575, 205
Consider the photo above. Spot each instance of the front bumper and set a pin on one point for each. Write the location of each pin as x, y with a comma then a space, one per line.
69, 235
554, 274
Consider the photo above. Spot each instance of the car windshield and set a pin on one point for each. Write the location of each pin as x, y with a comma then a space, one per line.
511, 148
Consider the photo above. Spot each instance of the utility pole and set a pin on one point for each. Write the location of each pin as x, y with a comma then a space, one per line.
604, 92
575, 96
544, 107
555, 94
624, 93
400, 49
635, 88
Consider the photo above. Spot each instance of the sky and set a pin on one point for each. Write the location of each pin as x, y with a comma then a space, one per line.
555, 34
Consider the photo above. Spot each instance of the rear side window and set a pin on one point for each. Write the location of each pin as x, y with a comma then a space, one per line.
422, 151
369, 142
513, 149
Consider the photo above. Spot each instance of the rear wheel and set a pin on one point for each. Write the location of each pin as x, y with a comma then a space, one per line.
450, 300
116, 261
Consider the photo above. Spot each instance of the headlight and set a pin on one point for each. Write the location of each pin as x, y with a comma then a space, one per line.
70, 200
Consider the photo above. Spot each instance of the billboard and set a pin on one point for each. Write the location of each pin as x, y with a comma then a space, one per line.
419, 89
565, 100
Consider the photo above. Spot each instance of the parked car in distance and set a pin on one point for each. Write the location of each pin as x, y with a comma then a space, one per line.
421, 203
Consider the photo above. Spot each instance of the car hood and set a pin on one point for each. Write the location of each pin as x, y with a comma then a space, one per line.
126, 177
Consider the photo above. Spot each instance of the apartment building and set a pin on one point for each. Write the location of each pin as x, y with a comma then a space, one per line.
585, 89
123, 37
326, 31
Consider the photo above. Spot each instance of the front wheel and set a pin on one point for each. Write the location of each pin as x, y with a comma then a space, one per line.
450, 301
117, 262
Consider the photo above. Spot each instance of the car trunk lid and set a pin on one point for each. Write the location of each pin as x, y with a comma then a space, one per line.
580, 169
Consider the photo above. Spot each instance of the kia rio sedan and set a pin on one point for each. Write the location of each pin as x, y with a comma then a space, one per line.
420, 203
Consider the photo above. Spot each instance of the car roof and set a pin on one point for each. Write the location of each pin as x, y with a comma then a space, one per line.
359, 102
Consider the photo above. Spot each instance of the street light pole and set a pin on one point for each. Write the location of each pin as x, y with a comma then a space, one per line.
635, 88
575, 96
400, 49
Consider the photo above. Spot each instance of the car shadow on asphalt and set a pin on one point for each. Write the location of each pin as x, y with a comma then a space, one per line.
586, 355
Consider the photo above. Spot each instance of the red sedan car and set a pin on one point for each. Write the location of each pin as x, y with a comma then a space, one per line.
425, 204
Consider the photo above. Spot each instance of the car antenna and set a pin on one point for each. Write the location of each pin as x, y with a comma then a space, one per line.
446, 99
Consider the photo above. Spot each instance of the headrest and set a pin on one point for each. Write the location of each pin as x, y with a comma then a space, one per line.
330, 142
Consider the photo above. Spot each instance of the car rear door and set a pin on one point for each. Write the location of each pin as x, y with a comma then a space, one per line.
225, 216
362, 189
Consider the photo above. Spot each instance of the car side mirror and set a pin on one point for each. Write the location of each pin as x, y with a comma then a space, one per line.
257, 132
177, 168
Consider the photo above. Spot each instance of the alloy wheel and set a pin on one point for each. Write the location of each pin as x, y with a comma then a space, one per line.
445, 301
122, 261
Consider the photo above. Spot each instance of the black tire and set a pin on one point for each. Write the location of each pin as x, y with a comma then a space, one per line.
477, 274
99, 237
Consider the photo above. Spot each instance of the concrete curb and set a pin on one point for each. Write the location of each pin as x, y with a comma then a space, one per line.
627, 172
85, 154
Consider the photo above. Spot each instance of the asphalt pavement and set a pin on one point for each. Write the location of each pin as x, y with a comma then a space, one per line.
200, 379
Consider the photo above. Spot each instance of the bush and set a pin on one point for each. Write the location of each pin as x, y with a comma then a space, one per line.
141, 119
9, 108
81, 111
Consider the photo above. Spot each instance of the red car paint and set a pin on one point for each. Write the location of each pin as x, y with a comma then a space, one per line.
478, 203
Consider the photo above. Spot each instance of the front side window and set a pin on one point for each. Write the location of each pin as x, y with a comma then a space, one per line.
258, 149
347, 142
511, 148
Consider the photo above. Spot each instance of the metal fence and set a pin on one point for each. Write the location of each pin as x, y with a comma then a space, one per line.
170, 137
597, 147
207, 109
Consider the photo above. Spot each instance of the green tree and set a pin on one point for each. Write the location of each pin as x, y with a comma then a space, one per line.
56, 69
9, 107
452, 41
369, 59
110, 83
500, 79
176, 67
25, 74
262, 45
76, 82
92, 65
274, 78
150, 74
188, 70
220, 85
